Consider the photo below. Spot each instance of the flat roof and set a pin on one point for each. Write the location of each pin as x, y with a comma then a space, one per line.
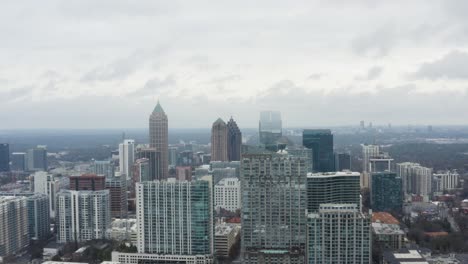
332, 174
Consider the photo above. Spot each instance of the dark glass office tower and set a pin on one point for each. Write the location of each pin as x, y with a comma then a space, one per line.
386, 192
342, 161
4, 157
321, 143
234, 141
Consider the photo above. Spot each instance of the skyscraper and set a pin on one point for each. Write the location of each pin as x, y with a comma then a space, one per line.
386, 192
342, 161
87, 182
117, 187
416, 179
368, 151
321, 143
234, 141
14, 232
175, 218
339, 233
219, 141
46, 184
18, 161
155, 167
82, 215
270, 127
227, 194
126, 157
103, 167
158, 135
332, 187
37, 158
4, 157
273, 188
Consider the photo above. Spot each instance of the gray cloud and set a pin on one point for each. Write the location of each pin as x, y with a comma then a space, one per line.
315, 76
155, 86
15, 94
377, 43
453, 65
372, 74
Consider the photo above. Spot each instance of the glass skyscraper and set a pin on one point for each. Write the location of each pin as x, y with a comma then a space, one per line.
386, 192
274, 224
270, 127
4, 157
321, 143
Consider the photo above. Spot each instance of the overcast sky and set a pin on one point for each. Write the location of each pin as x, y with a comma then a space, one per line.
104, 64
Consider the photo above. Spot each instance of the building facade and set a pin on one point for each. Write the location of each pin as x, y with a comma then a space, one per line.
36, 159
342, 161
445, 181
88, 182
339, 233
270, 127
38, 216
332, 187
46, 184
126, 157
234, 141
117, 187
228, 194
321, 143
219, 141
14, 232
158, 135
155, 169
18, 161
4, 157
273, 188
175, 218
103, 167
386, 192
416, 178
82, 215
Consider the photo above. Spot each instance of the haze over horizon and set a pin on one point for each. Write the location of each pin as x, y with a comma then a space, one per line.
105, 64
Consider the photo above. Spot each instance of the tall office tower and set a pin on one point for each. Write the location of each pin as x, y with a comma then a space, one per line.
228, 194
332, 187
339, 233
305, 153
103, 167
88, 182
18, 161
46, 184
38, 216
342, 161
14, 233
4, 157
36, 158
117, 187
184, 173
368, 151
175, 218
273, 188
158, 135
270, 127
234, 140
380, 163
447, 180
173, 156
321, 143
219, 141
155, 163
386, 192
82, 215
416, 178
126, 157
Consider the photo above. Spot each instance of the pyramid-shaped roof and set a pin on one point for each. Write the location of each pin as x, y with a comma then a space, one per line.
158, 108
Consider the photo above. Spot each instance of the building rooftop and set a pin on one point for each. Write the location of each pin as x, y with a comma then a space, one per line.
225, 229
387, 229
333, 174
384, 218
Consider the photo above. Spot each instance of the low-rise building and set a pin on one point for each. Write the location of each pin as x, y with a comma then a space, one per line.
226, 235
136, 258
124, 230
404, 256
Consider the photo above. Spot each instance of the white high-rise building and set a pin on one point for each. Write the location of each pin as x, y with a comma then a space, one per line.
228, 194
46, 183
126, 157
175, 218
339, 233
416, 178
14, 234
368, 151
82, 215
445, 181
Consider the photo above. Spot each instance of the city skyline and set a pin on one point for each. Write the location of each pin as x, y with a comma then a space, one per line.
208, 57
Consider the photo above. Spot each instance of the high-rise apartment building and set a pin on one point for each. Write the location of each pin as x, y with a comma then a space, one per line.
270, 127
219, 141
14, 232
82, 215
103, 167
342, 161
18, 161
184, 173
175, 218
234, 139
158, 135
117, 187
154, 158
386, 192
227, 194
339, 233
444, 181
36, 158
46, 184
140, 173
126, 157
416, 178
368, 151
321, 143
4, 157
38, 216
332, 187
273, 188
173, 156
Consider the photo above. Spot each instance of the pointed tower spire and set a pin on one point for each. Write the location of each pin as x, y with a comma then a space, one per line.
158, 108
